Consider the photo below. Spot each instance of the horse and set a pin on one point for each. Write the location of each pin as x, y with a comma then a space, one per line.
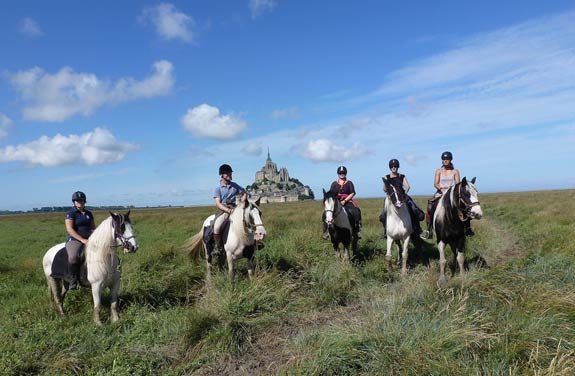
458, 204
339, 226
102, 263
246, 231
398, 222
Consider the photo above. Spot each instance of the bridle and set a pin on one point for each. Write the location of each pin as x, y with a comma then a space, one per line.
124, 240
336, 210
464, 208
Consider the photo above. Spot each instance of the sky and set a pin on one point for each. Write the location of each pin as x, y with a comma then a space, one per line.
139, 102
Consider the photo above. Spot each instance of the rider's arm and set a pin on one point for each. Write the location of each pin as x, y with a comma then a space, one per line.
437, 179
70, 228
405, 184
221, 206
351, 195
456, 176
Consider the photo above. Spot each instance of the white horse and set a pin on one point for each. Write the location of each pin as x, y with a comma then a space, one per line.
398, 222
457, 205
245, 231
102, 263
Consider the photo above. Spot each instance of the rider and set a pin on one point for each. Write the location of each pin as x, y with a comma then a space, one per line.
445, 177
79, 225
225, 198
399, 181
345, 191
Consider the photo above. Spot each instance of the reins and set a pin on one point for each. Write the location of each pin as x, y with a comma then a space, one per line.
464, 209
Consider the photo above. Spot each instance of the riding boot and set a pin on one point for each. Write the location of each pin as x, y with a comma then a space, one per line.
72, 278
468, 230
218, 244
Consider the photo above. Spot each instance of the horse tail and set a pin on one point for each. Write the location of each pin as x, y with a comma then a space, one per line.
193, 245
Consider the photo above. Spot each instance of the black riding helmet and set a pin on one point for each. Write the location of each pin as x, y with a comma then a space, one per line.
79, 196
342, 170
446, 155
394, 163
226, 169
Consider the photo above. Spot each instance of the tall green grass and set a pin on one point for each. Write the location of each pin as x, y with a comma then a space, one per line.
306, 312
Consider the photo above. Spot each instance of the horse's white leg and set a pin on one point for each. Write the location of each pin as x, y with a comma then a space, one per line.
460, 261
441, 248
389, 245
96, 291
404, 256
114, 298
230, 259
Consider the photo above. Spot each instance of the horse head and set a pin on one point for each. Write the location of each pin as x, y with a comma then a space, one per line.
253, 217
397, 196
330, 207
469, 199
123, 232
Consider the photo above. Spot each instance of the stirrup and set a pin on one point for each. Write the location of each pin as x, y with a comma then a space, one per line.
358, 234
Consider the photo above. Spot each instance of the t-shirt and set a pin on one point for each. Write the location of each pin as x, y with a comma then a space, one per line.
227, 193
82, 221
342, 190
396, 181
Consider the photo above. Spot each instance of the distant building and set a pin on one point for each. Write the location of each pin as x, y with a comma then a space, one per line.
273, 185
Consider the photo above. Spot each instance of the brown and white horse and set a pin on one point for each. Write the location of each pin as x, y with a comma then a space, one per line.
457, 205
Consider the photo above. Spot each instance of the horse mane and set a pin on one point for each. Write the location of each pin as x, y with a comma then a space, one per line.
99, 246
237, 223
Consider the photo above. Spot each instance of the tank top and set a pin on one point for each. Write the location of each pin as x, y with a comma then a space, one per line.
446, 181
396, 181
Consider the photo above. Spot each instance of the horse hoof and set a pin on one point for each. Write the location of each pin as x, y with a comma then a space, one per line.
442, 281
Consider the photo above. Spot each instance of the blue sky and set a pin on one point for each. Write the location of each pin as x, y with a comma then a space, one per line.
139, 102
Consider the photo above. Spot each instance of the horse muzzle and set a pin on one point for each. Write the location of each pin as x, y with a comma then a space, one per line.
130, 248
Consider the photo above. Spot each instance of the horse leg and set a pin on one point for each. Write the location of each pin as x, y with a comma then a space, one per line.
208, 265
114, 298
441, 248
96, 290
230, 259
388, 253
251, 266
461, 256
404, 257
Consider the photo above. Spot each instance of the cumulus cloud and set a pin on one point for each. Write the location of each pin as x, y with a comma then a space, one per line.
253, 148
284, 113
205, 121
259, 7
169, 22
57, 97
30, 28
323, 150
96, 147
5, 123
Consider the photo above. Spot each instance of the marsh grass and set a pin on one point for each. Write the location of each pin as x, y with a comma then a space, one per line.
306, 312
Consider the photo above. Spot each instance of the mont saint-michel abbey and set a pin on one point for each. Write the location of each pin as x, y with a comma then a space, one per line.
274, 185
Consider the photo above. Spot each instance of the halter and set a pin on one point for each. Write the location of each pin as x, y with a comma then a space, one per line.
125, 241
334, 212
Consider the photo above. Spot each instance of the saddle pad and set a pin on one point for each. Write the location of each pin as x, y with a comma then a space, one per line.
60, 264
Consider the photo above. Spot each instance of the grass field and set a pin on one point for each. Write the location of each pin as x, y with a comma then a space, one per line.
305, 313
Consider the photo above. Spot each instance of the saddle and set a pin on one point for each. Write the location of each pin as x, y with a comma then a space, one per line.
61, 266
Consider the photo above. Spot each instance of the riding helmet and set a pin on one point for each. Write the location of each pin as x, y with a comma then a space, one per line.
226, 169
446, 155
79, 196
394, 163
342, 170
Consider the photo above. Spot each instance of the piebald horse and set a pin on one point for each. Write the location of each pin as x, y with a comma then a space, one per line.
246, 229
338, 225
398, 222
458, 204
102, 263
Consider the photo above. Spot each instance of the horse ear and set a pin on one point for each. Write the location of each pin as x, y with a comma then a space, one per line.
464, 181
128, 213
473, 180
258, 201
113, 215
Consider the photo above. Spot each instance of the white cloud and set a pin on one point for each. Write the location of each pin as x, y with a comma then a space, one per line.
253, 148
59, 96
5, 123
30, 28
284, 113
169, 22
205, 121
96, 147
259, 7
322, 150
